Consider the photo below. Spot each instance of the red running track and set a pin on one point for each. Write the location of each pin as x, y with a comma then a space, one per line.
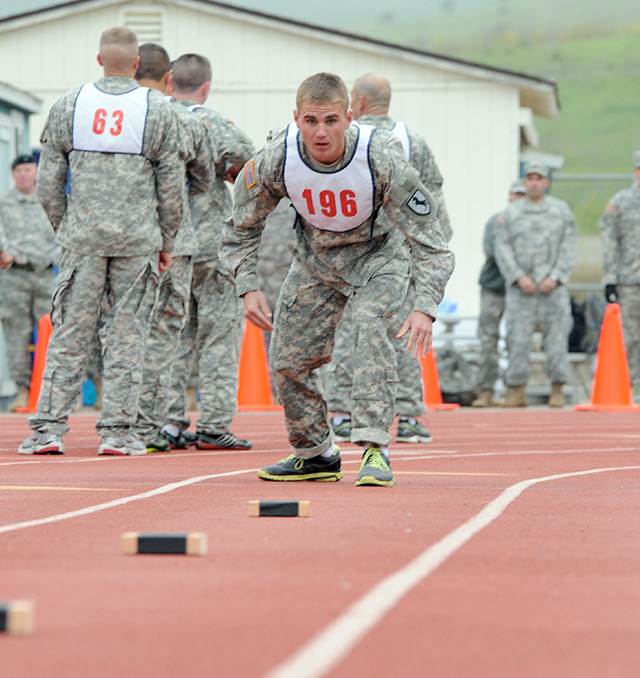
509, 547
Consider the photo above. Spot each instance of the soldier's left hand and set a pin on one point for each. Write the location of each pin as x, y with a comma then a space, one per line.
420, 337
547, 285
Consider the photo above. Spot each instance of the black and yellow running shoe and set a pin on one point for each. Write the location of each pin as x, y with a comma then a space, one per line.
293, 468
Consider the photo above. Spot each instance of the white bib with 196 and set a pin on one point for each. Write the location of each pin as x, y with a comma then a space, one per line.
331, 201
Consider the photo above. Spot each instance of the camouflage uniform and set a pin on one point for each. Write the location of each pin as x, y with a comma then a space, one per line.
492, 302
538, 239
370, 262
338, 377
27, 285
121, 210
620, 224
171, 310
274, 259
213, 334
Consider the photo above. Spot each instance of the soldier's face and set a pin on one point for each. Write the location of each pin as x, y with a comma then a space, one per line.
24, 177
536, 185
322, 127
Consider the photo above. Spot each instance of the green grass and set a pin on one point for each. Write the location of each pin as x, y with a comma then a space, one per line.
590, 48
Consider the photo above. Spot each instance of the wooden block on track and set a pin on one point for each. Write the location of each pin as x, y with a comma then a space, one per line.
191, 543
17, 617
279, 508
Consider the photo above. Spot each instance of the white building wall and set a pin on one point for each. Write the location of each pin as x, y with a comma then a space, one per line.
471, 124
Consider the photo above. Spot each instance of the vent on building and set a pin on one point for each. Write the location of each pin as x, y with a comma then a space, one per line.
146, 22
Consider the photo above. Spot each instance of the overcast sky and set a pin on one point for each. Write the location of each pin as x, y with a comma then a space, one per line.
333, 13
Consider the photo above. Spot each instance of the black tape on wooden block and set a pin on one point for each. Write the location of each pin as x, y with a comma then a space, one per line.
279, 508
192, 543
17, 617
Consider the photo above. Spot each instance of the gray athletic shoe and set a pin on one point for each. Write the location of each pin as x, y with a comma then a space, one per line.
375, 468
293, 468
342, 431
42, 443
412, 433
119, 446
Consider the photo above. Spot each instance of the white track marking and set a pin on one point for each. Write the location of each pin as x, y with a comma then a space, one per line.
119, 502
406, 455
335, 641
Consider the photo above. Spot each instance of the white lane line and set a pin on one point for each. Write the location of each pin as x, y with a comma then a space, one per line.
323, 652
406, 455
118, 502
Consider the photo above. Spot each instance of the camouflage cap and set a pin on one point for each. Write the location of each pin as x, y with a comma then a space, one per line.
636, 159
536, 167
517, 187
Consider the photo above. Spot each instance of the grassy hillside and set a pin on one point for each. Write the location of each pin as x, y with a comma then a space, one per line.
589, 48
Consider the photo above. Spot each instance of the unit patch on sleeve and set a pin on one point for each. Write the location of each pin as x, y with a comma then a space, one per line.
419, 203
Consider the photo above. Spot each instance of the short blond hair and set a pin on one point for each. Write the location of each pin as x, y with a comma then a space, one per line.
323, 88
118, 47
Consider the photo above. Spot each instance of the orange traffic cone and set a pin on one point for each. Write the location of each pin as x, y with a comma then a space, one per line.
431, 384
254, 385
40, 358
611, 384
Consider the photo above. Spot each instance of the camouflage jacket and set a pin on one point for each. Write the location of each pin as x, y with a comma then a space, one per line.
353, 256
537, 239
118, 204
195, 151
620, 224
490, 276
25, 231
421, 157
230, 147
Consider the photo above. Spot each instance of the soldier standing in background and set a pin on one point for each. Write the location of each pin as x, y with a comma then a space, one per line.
171, 310
370, 98
213, 334
28, 256
536, 251
116, 229
492, 300
347, 243
620, 225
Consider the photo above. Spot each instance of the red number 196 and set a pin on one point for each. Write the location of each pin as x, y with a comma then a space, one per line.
328, 206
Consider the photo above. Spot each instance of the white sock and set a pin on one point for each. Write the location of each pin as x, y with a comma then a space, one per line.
339, 417
412, 420
172, 430
329, 453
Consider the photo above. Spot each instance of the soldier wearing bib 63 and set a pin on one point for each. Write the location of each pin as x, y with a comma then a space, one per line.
358, 203
116, 229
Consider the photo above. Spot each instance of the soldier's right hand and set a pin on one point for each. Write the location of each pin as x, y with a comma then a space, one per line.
526, 284
611, 293
256, 310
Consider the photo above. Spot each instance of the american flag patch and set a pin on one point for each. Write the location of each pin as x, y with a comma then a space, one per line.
249, 176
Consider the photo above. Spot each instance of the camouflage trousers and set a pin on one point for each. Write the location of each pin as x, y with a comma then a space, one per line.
337, 381
25, 296
491, 311
212, 336
129, 284
629, 298
169, 318
307, 313
553, 314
